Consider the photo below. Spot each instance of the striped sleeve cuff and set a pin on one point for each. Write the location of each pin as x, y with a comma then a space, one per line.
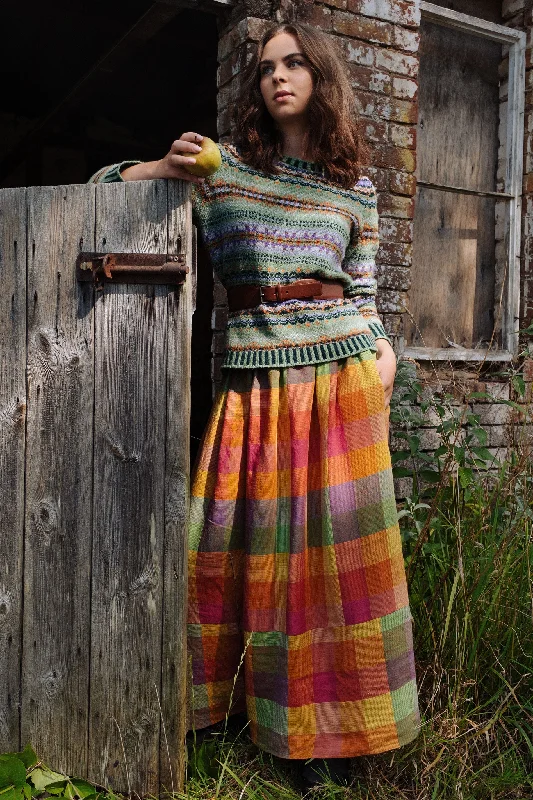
378, 331
111, 174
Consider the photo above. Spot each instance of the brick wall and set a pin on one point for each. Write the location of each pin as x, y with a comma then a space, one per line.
380, 40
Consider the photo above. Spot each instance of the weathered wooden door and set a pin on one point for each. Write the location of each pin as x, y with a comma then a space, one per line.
94, 443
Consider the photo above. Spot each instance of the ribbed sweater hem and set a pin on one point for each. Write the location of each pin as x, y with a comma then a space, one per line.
299, 356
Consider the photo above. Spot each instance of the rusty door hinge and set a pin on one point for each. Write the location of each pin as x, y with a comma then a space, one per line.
131, 268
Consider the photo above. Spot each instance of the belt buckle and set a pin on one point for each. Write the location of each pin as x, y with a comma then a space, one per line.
261, 295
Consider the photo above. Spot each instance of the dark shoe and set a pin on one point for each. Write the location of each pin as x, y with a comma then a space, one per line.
319, 770
235, 723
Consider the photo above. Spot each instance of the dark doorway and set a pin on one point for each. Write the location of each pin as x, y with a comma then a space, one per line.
90, 84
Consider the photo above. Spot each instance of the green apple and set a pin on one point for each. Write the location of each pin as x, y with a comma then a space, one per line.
208, 160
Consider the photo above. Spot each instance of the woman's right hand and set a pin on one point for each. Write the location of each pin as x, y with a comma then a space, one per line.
182, 151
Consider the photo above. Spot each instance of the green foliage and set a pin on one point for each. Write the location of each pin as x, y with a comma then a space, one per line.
23, 776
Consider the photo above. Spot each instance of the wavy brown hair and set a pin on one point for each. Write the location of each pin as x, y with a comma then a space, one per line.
334, 139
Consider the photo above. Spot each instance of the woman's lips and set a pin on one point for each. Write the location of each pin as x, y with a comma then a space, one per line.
282, 97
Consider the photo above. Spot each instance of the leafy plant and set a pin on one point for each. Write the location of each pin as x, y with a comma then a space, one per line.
23, 776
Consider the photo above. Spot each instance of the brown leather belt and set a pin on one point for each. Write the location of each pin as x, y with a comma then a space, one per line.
249, 296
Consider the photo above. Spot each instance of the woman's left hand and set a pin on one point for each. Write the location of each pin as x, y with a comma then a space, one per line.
386, 364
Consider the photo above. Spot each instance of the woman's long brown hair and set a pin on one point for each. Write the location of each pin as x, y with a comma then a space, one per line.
334, 139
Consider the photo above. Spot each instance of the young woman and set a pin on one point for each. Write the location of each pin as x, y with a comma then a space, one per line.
296, 576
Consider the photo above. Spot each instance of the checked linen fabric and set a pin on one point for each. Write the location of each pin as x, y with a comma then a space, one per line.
298, 605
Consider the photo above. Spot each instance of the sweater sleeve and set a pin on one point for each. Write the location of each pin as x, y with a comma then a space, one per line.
113, 174
360, 261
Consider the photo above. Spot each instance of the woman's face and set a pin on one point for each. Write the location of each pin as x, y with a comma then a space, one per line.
286, 79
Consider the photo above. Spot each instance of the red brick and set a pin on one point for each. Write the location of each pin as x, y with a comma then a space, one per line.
369, 80
231, 66
403, 135
395, 205
527, 184
393, 324
219, 318
223, 122
379, 177
336, 3
398, 253
249, 28
404, 88
390, 301
404, 39
403, 183
368, 105
359, 53
403, 111
393, 276
320, 17
395, 230
227, 95
216, 369
394, 157
370, 30
375, 131
403, 12
218, 343
528, 369
220, 297
400, 63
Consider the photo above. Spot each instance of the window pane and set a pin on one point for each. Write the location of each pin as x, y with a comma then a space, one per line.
452, 294
457, 142
454, 254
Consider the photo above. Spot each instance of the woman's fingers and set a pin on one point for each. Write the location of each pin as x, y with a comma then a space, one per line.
188, 143
182, 151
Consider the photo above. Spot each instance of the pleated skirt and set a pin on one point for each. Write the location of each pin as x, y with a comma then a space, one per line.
298, 605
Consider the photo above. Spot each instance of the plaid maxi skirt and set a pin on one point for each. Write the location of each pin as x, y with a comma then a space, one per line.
298, 606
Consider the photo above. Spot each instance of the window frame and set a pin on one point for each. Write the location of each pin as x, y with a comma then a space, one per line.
516, 42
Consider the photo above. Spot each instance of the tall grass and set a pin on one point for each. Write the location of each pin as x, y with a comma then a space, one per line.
467, 532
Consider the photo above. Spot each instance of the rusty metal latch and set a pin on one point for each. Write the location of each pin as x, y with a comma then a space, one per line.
131, 268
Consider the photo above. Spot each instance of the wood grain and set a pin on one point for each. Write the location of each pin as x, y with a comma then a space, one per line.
453, 279
95, 490
55, 672
181, 237
12, 444
452, 293
129, 508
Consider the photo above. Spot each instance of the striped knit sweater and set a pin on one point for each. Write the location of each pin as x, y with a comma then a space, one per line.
271, 229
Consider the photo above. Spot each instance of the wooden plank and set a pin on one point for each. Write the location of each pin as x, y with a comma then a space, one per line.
514, 157
457, 141
465, 22
128, 552
452, 294
58, 478
462, 190
453, 354
12, 441
181, 237
453, 276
